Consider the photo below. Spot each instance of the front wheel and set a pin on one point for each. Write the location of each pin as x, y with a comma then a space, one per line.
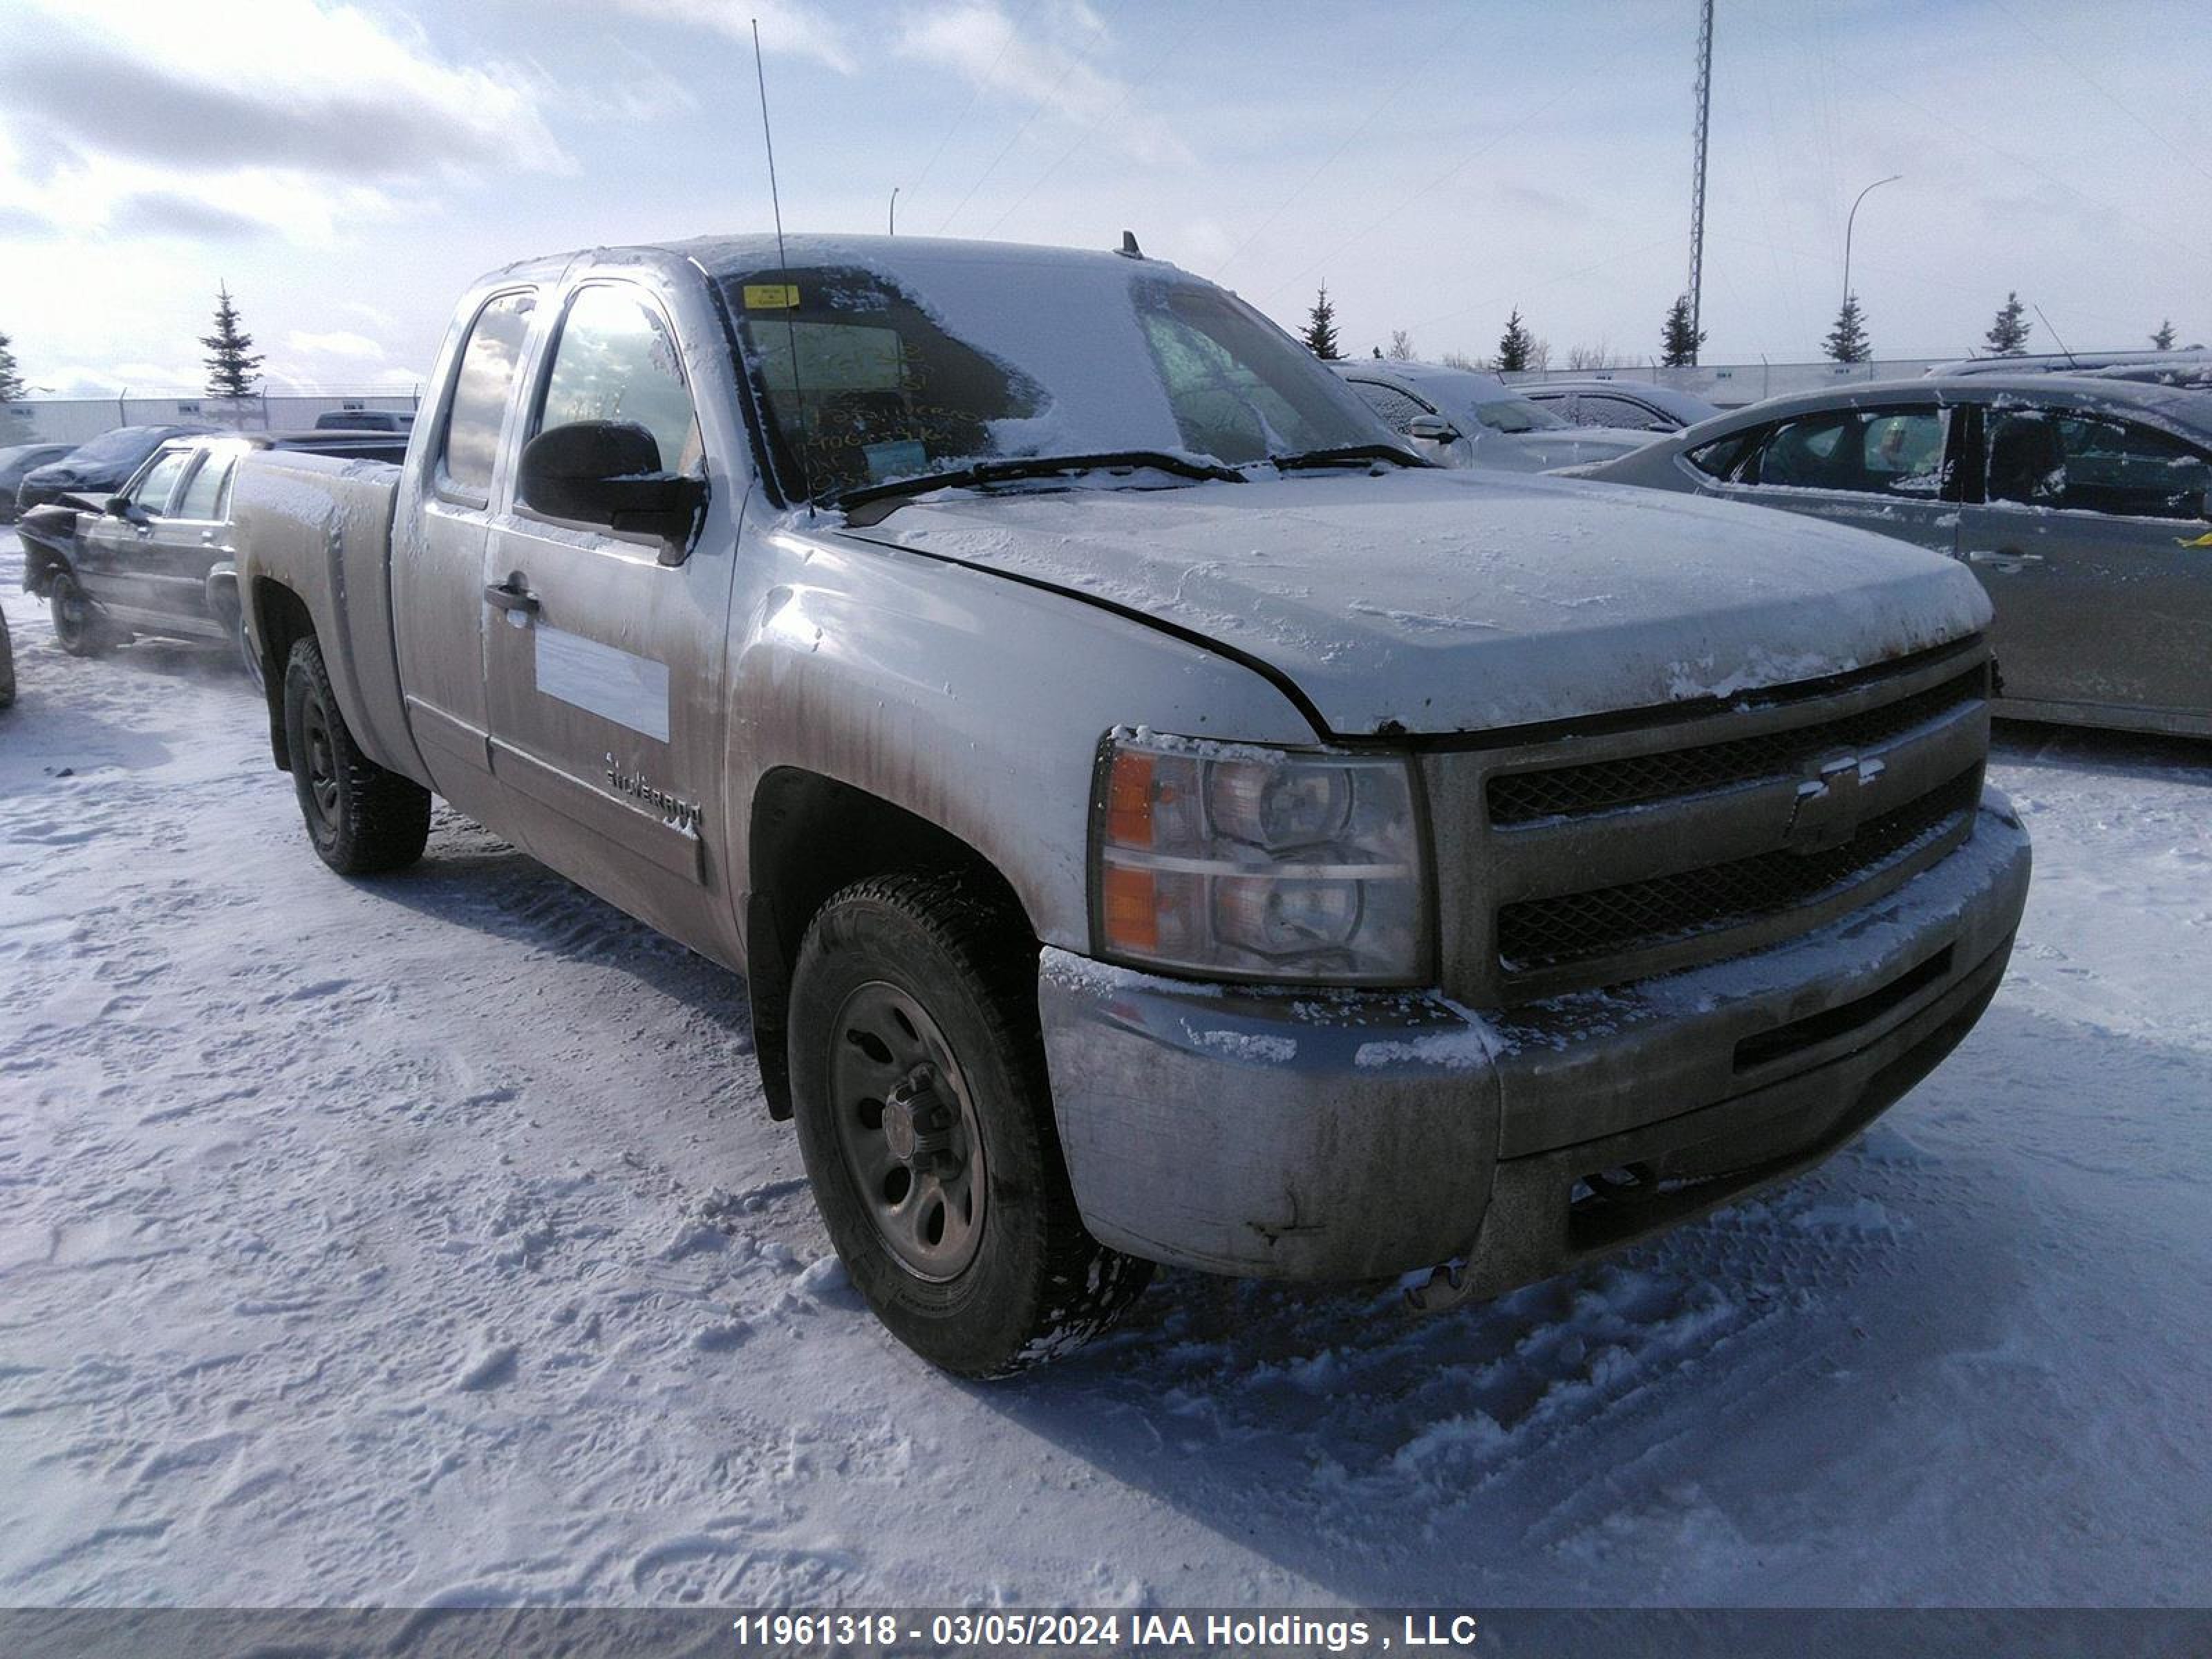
364, 820
925, 1118
79, 627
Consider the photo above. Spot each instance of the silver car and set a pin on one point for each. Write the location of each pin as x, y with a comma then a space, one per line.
2081, 504
1461, 418
1624, 405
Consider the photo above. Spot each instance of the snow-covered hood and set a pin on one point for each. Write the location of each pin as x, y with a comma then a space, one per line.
1442, 601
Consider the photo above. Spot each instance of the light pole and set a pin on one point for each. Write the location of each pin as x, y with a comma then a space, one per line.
892, 228
1853, 220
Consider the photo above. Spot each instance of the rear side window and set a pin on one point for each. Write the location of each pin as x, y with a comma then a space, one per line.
2093, 464
203, 495
152, 491
617, 360
1718, 459
1396, 408
489, 362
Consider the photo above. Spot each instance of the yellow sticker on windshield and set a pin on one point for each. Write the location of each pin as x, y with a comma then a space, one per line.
771, 297
2201, 541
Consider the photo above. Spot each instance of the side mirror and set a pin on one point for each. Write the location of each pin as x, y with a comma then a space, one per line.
608, 472
1430, 429
116, 506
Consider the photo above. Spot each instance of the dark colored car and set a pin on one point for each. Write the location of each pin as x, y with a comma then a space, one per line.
6, 666
365, 420
17, 459
157, 558
97, 467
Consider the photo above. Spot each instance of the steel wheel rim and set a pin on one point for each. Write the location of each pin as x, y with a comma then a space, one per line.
906, 1128
69, 610
322, 766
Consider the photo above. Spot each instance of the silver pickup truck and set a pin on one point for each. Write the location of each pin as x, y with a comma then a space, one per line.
1158, 819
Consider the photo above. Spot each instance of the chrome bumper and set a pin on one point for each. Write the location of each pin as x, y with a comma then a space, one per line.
1323, 1134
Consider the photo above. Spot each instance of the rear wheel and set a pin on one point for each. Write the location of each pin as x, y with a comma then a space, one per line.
79, 627
924, 1117
364, 820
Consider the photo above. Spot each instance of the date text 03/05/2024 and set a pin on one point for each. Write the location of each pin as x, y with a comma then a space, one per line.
1079, 1631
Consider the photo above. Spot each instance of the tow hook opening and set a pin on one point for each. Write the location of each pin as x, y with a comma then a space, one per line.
1625, 1183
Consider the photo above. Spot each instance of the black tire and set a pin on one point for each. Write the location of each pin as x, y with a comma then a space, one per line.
80, 628
1020, 1280
364, 820
6, 666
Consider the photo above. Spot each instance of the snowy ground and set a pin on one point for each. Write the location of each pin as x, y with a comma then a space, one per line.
425, 1241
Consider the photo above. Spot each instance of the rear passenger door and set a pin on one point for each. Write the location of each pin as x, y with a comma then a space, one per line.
604, 651
1890, 470
439, 538
2090, 535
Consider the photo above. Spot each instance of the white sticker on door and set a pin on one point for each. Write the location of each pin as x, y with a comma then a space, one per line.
629, 690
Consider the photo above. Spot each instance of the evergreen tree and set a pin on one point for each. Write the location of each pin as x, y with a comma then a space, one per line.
1515, 345
2007, 336
1321, 327
231, 362
12, 425
2161, 341
1679, 341
1847, 340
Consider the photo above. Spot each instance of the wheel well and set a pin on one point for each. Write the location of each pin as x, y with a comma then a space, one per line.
811, 837
281, 621
40, 563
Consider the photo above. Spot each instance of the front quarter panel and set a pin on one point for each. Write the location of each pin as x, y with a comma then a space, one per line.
972, 700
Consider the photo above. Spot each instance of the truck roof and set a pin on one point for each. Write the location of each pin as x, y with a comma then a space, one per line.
730, 255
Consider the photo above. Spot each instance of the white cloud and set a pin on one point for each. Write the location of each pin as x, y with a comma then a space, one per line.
786, 26
1049, 70
221, 113
338, 343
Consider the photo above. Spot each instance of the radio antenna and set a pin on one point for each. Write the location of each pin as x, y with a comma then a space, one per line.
790, 292
2072, 361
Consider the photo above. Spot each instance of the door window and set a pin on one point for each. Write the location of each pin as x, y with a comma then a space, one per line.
151, 492
1395, 408
1868, 452
1601, 408
617, 360
203, 495
489, 362
2093, 464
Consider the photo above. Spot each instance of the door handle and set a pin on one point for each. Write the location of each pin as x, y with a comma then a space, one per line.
2007, 559
512, 597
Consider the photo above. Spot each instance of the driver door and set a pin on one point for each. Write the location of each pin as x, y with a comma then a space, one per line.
603, 648
114, 550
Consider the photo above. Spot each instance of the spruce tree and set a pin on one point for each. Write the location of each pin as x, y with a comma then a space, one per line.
2007, 336
231, 361
1515, 344
1679, 341
1847, 340
12, 425
1321, 327
2161, 341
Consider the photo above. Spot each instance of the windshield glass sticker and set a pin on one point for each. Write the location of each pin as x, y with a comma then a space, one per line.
771, 297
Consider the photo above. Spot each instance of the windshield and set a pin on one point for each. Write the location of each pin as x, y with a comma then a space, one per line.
123, 444
1517, 415
867, 376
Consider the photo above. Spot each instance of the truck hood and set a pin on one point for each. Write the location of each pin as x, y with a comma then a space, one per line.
1437, 601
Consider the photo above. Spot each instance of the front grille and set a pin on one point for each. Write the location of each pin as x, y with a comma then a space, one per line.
1521, 798
1541, 934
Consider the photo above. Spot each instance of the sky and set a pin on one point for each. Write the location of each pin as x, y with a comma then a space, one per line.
347, 169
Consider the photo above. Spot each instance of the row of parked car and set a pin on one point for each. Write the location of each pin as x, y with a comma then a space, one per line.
2080, 500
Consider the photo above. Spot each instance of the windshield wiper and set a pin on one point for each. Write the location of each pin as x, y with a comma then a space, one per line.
1347, 455
1034, 466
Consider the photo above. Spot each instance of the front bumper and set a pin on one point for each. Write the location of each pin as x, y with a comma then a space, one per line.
1317, 1134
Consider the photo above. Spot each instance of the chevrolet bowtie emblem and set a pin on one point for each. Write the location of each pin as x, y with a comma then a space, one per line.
1831, 803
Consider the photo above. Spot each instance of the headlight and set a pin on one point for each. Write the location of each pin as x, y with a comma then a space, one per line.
1257, 863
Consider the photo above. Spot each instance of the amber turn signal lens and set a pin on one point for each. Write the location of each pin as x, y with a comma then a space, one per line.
1133, 908
1129, 800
